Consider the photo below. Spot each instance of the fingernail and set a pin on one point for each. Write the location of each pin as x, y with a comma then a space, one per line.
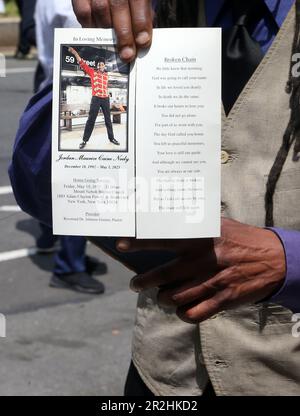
127, 53
123, 245
134, 284
142, 38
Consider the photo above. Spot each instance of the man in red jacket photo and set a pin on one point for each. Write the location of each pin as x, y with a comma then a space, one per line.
99, 81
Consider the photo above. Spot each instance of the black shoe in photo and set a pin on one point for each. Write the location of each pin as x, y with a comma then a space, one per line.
82, 145
114, 141
80, 282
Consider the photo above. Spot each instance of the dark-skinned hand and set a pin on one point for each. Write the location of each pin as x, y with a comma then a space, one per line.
131, 20
246, 264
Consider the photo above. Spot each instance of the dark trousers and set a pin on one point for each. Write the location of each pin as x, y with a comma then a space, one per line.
27, 25
96, 104
134, 384
71, 257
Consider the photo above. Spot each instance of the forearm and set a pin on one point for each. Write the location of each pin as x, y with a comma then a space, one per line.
75, 53
77, 56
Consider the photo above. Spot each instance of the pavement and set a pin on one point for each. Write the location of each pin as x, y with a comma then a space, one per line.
58, 342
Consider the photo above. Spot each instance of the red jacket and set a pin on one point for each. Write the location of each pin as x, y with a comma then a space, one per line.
99, 80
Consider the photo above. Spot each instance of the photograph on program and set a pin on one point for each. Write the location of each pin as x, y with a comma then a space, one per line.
94, 86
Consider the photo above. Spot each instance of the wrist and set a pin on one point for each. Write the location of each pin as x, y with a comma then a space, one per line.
288, 294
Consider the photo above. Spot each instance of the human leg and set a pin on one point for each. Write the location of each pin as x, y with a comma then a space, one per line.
71, 256
27, 27
71, 269
90, 124
45, 243
105, 106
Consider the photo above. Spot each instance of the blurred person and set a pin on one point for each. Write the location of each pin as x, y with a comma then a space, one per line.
27, 37
72, 269
214, 315
48, 16
2, 7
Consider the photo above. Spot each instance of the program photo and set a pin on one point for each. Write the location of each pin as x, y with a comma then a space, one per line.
93, 99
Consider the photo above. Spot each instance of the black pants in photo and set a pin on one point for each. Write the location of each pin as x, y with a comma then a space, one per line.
96, 104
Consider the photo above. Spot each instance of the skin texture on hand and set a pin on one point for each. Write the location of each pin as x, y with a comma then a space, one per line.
131, 20
246, 264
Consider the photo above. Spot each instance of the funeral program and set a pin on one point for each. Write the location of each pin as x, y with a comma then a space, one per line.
136, 148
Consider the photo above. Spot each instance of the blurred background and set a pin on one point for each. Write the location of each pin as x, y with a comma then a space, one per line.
58, 341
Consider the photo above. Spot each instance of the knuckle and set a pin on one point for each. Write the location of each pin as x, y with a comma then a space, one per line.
83, 14
221, 283
141, 22
224, 278
124, 33
209, 286
175, 299
100, 7
235, 270
142, 6
118, 3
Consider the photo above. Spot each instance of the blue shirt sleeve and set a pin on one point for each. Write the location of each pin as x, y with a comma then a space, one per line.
289, 294
30, 168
